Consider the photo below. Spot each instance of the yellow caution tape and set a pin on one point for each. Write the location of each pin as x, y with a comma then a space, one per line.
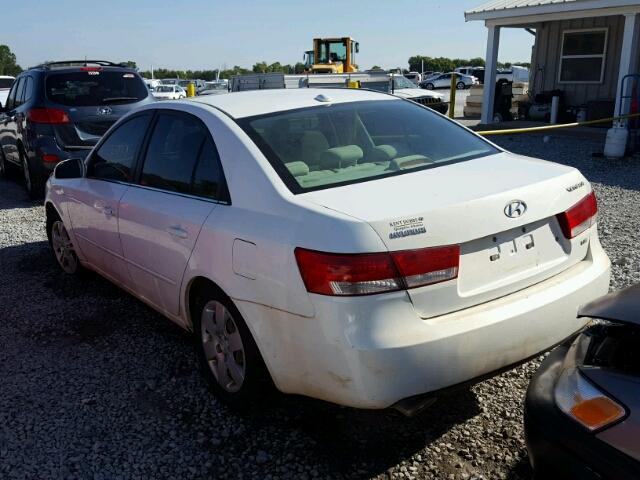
555, 127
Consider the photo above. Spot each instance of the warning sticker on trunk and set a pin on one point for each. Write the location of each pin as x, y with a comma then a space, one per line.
407, 227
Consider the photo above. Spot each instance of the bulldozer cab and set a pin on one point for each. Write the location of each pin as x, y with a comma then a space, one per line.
334, 55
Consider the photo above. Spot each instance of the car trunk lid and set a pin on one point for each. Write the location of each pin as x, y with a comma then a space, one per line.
466, 204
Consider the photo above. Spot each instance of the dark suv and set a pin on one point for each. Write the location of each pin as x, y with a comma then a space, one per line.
60, 110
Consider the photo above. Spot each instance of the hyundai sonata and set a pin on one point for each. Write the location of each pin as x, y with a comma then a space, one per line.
344, 244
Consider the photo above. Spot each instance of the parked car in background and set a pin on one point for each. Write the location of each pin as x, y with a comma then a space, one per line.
444, 81
215, 87
477, 72
169, 92
61, 109
5, 84
404, 88
170, 81
343, 243
582, 412
151, 83
413, 77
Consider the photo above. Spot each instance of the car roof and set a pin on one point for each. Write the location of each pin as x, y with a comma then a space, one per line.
262, 102
621, 306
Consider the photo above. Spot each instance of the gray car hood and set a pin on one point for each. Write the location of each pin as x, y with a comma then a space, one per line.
622, 306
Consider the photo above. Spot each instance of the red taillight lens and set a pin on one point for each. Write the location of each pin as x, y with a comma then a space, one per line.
90, 69
50, 158
47, 115
366, 274
427, 265
344, 274
579, 217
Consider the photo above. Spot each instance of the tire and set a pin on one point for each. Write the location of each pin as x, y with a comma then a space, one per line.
62, 247
4, 166
429, 86
461, 86
32, 182
227, 354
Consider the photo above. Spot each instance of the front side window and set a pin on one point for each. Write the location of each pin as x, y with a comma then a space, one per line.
115, 158
12, 96
16, 101
583, 56
321, 147
182, 158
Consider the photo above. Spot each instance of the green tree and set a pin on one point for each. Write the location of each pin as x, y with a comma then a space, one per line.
8, 64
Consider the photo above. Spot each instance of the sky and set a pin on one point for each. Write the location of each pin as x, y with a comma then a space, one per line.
201, 34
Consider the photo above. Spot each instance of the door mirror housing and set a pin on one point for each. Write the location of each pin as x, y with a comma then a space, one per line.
71, 168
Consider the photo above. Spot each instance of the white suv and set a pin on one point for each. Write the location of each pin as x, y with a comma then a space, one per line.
346, 244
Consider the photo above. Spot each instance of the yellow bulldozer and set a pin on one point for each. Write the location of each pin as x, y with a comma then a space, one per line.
332, 55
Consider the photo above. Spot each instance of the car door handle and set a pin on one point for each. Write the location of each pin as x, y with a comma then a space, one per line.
107, 210
177, 231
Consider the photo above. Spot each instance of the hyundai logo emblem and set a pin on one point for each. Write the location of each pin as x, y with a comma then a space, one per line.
515, 209
105, 111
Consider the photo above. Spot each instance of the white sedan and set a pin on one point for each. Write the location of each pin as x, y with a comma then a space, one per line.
444, 81
169, 92
344, 244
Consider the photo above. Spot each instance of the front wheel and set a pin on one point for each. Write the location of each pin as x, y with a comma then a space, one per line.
63, 247
429, 86
227, 354
461, 86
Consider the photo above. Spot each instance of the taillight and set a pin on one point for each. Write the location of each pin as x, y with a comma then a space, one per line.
370, 273
579, 217
47, 115
427, 265
90, 69
50, 158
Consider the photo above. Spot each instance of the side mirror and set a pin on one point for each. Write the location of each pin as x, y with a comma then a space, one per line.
71, 168
357, 48
3, 109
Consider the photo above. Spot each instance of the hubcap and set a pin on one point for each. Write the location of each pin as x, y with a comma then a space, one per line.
222, 346
63, 248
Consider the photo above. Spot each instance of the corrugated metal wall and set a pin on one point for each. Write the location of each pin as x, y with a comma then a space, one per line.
546, 59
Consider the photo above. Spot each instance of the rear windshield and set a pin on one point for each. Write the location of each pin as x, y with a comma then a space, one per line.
164, 88
81, 89
326, 146
6, 82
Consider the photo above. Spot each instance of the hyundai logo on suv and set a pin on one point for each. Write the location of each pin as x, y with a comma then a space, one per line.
105, 111
515, 209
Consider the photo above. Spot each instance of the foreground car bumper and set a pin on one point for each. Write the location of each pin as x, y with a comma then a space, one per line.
371, 352
558, 447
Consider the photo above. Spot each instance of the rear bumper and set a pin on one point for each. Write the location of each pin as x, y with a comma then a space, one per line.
558, 447
371, 352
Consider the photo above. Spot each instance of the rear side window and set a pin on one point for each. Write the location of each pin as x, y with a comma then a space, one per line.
28, 90
97, 87
182, 158
115, 159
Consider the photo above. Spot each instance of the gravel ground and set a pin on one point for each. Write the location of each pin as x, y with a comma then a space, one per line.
96, 385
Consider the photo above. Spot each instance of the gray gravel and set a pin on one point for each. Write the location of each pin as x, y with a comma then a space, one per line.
96, 385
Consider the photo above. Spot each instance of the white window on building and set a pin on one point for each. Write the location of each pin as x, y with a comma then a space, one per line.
583, 56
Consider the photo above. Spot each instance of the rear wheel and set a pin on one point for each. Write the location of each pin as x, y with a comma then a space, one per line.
461, 86
32, 182
3, 165
429, 86
227, 354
